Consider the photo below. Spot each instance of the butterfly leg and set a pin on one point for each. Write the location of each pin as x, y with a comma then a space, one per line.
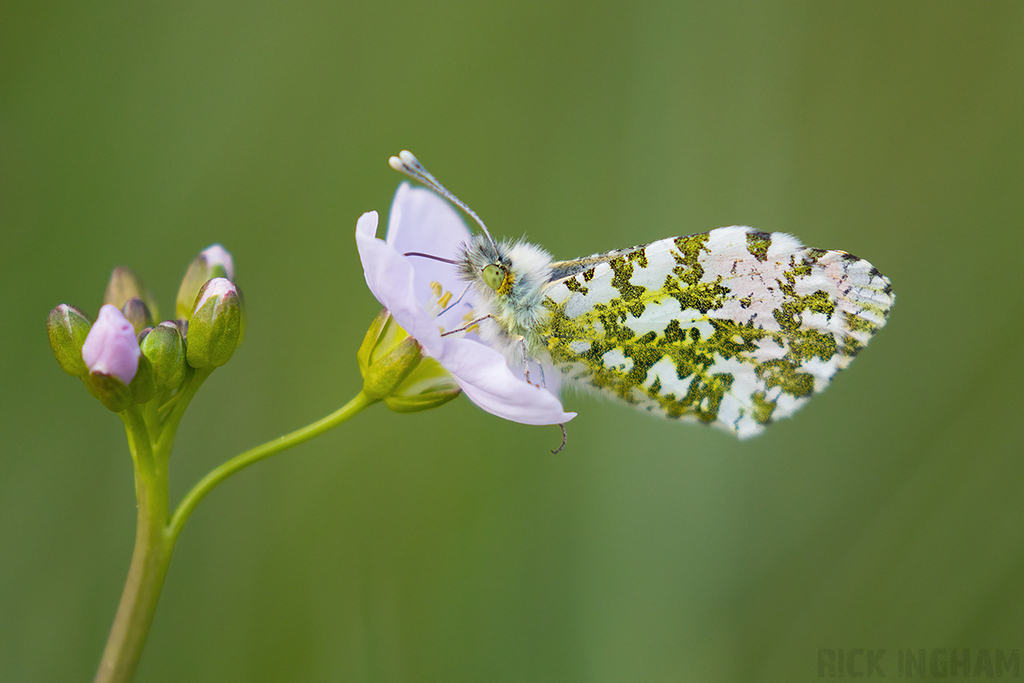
454, 303
468, 325
526, 365
564, 438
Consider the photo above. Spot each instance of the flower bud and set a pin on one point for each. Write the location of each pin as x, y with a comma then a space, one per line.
111, 347
426, 387
164, 347
394, 370
212, 262
111, 354
386, 356
67, 327
125, 285
142, 386
137, 313
217, 324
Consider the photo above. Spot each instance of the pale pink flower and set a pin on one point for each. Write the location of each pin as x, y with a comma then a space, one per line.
421, 221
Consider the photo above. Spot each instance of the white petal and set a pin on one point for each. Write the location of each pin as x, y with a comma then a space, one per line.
484, 375
389, 276
423, 222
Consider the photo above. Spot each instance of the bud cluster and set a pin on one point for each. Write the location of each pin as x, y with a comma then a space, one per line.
126, 357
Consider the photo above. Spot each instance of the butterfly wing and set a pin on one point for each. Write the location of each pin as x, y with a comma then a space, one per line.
733, 327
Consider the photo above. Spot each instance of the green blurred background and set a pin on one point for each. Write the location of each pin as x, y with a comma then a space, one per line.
451, 545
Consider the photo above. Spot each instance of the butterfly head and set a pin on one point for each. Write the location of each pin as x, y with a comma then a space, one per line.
486, 265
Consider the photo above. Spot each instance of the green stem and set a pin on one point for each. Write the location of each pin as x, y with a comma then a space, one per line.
195, 379
150, 559
155, 536
254, 455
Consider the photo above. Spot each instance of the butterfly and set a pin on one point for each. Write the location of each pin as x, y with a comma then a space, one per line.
734, 328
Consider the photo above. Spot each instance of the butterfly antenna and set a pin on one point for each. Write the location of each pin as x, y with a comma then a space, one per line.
406, 163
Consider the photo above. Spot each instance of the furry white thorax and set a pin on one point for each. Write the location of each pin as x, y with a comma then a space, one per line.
513, 311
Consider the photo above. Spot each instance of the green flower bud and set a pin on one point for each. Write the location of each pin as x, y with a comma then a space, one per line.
137, 313
67, 328
125, 285
386, 356
143, 386
217, 324
164, 347
426, 387
394, 370
213, 262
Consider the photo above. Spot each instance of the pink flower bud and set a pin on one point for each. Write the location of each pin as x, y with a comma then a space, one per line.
216, 255
111, 347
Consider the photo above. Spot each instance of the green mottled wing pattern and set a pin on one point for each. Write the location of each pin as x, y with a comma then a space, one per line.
734, 327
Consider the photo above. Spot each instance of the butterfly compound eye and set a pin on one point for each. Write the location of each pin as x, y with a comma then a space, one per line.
494, 276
